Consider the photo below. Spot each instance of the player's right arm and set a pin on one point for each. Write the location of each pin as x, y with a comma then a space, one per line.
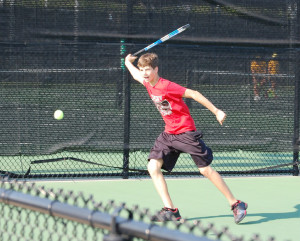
134, 71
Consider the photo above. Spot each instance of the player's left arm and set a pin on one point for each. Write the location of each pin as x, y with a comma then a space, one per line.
197, 96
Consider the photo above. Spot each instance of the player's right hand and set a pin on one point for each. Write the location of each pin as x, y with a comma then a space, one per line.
130, 58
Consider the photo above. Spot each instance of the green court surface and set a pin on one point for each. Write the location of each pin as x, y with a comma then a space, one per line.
274, 202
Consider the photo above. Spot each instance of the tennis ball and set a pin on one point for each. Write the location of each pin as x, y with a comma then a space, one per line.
58, 114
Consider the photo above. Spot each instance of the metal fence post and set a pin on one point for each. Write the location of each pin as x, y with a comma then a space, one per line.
126, 147
293, 13
296, 141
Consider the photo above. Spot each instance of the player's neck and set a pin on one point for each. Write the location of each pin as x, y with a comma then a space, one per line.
154, 81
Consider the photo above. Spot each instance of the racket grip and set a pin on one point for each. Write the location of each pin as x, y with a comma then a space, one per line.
138, 52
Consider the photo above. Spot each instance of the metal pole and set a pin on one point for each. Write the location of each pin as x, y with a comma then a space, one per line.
296, 141
126, 148
126, 145
294, 61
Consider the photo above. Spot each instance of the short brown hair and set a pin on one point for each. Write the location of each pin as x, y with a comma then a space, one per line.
148, 59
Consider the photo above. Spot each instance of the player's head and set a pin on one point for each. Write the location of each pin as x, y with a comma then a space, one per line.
148, 59
148, 65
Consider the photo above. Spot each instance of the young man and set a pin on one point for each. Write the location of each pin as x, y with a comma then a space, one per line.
179, 136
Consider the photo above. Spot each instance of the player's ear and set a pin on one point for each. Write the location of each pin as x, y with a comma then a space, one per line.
156, 69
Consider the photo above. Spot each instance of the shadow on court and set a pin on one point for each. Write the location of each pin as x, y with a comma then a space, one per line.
262, 217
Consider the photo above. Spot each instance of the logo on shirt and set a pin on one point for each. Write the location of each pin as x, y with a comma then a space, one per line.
163, 106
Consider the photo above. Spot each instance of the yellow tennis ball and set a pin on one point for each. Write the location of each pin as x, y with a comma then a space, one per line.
58, 114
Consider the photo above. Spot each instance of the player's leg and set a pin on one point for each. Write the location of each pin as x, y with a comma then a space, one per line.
191, 142
154, 169
256, 89
238, 207
168, 212
263, 86
163, 156
271, 90
218, 181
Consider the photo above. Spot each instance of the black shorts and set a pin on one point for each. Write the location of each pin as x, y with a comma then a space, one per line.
168, 147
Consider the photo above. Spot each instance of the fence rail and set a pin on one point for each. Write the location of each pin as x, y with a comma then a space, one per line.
36, 205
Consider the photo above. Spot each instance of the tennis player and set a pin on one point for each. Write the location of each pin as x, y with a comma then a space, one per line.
273, 69
258, 70
180, 135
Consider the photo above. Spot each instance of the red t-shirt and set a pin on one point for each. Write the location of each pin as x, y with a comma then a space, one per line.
167, 97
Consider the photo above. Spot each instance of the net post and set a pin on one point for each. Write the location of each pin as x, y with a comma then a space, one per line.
296, 141
126, 148
127, 106
292, 7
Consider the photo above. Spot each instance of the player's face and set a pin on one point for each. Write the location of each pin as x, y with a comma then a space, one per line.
148, 73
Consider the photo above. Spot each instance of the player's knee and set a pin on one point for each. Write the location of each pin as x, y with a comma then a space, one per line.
154, 166
206, 171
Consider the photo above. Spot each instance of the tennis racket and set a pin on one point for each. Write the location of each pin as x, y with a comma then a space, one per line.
163, 39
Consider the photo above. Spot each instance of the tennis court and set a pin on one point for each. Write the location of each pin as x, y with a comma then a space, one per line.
69, 55
274, 202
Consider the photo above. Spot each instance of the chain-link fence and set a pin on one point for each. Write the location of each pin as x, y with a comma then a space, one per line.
32, 212
69, 55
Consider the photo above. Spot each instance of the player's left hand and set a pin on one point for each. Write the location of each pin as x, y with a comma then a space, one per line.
221, 116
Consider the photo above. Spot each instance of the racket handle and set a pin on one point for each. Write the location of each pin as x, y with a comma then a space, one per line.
138, 52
